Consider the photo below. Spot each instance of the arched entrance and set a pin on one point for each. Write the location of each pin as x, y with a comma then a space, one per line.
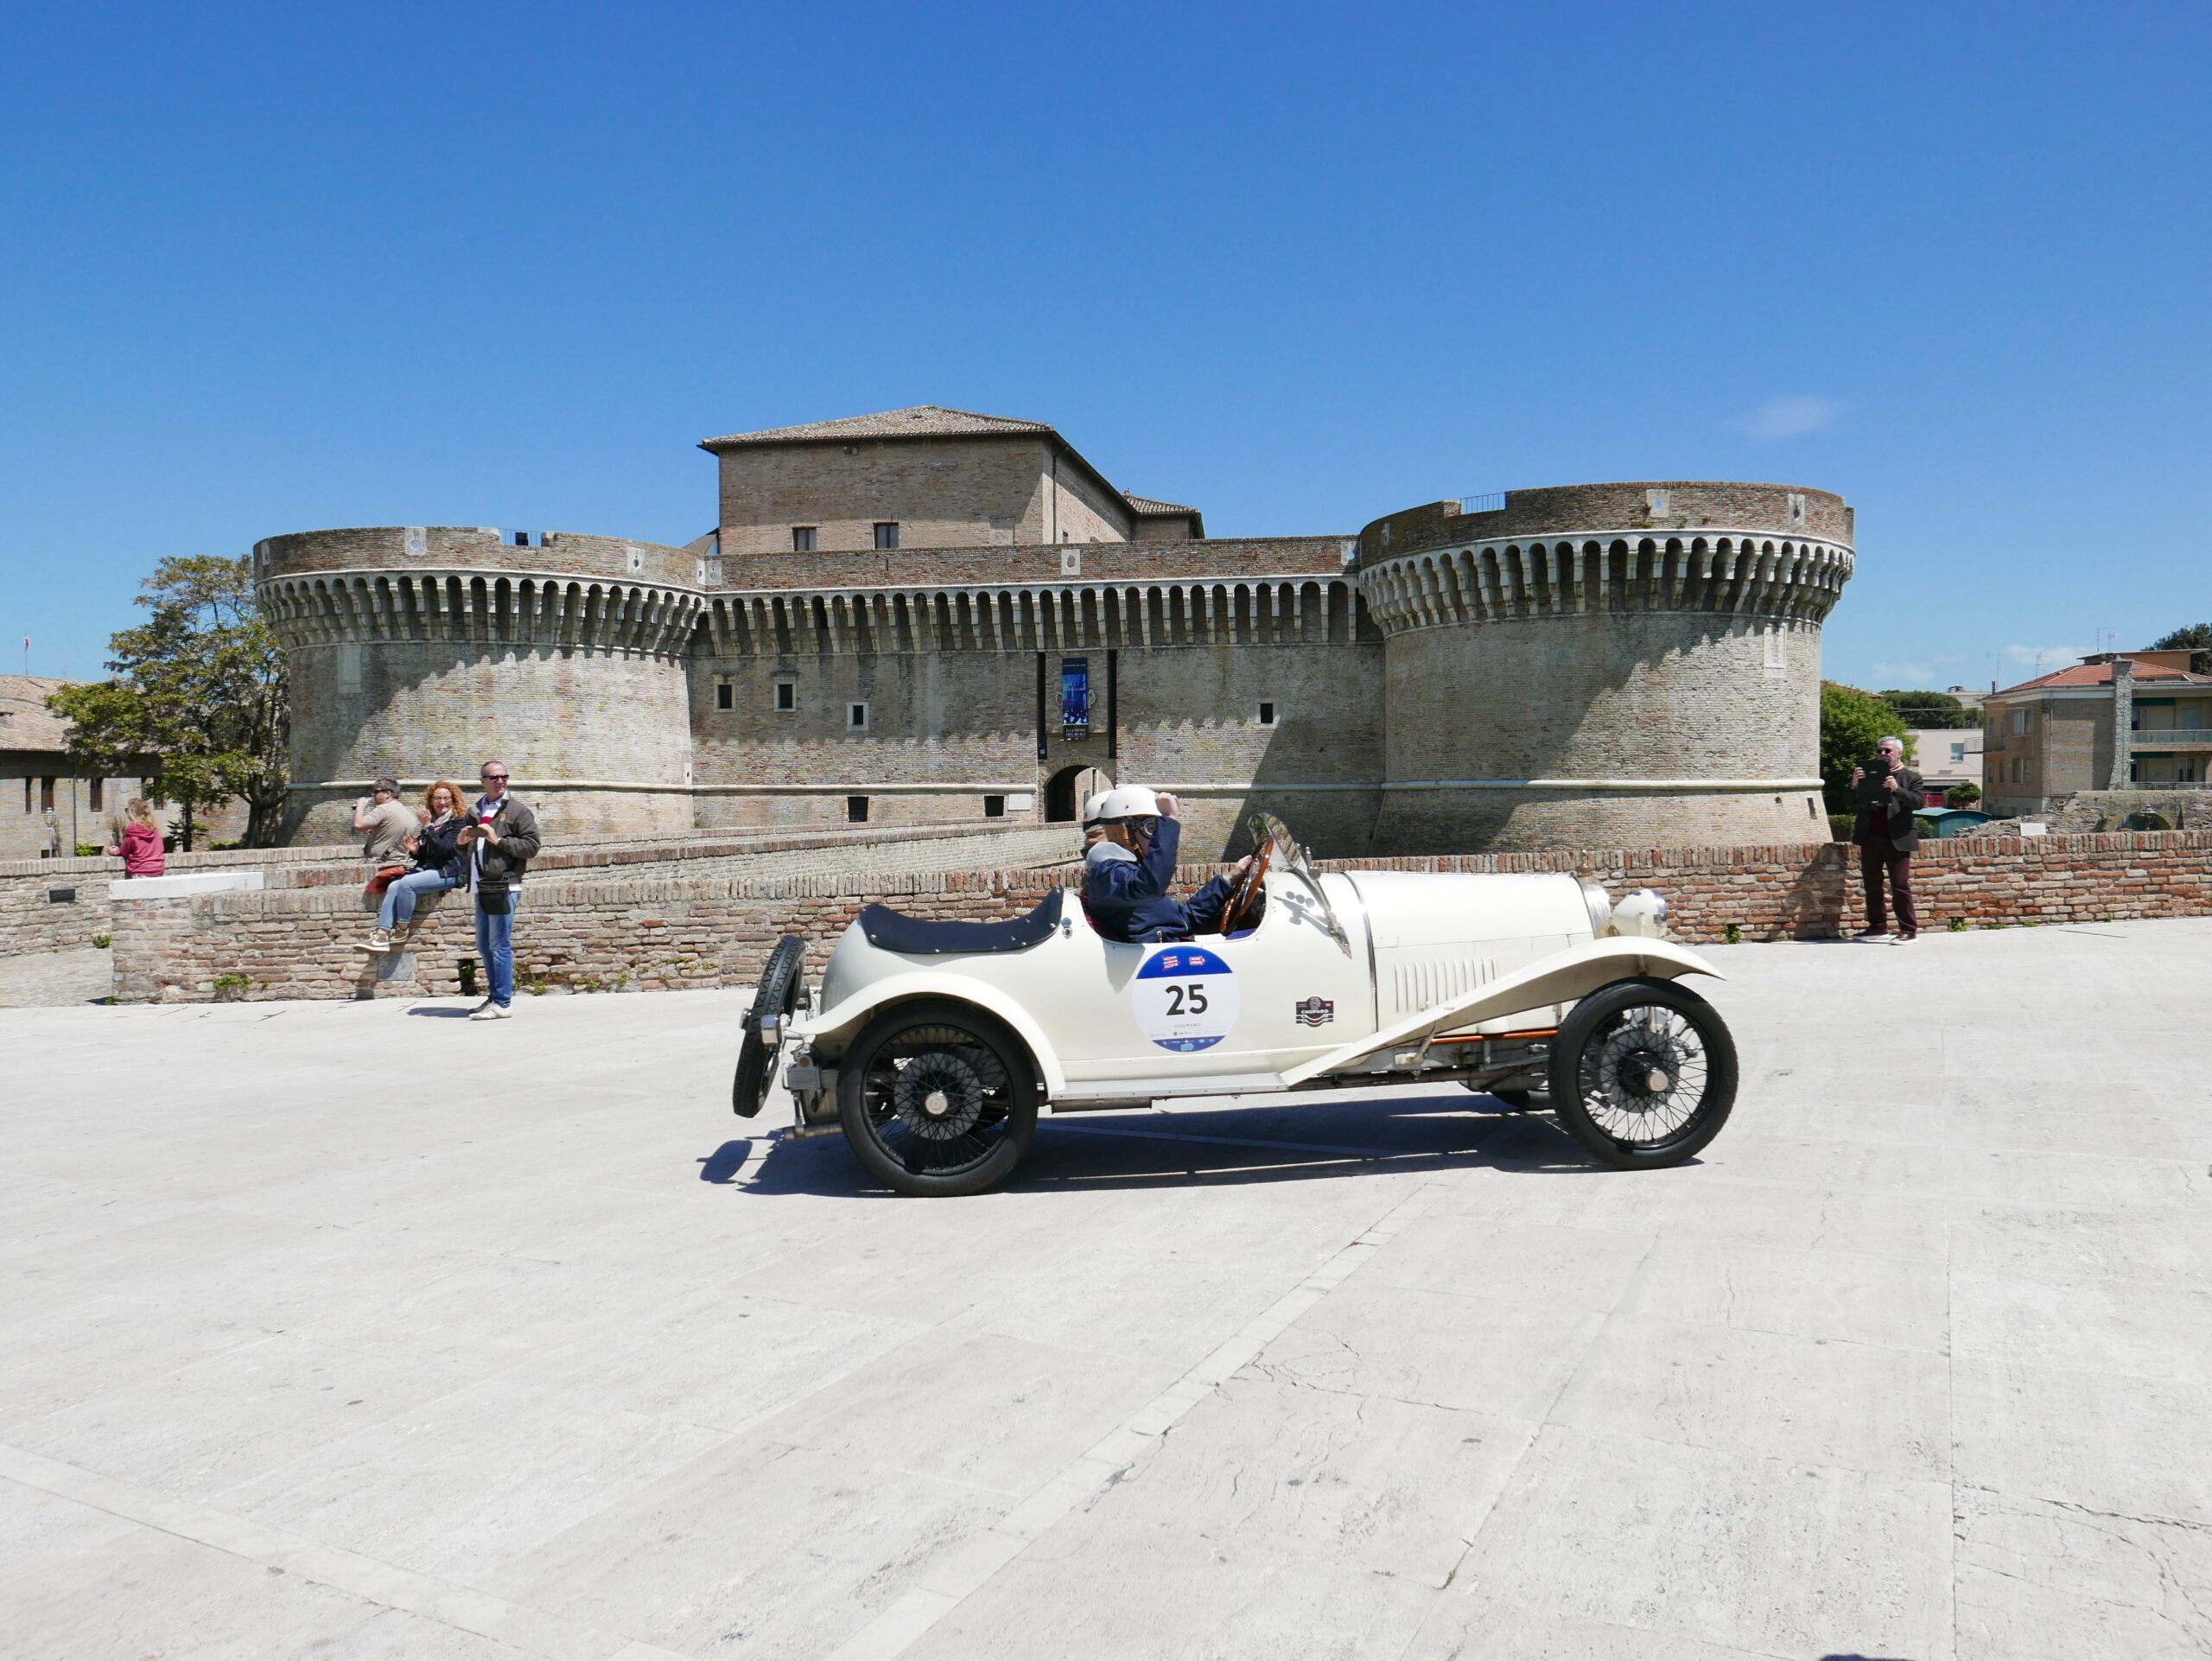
2145, 819
1066, 790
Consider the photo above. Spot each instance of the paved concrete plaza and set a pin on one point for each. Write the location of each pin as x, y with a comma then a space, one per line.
354, 1330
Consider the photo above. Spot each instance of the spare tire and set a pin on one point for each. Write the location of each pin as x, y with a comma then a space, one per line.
777, 996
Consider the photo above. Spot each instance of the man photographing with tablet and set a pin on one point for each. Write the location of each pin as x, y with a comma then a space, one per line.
500, 841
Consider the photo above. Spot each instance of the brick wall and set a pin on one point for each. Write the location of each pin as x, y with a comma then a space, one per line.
31, 921
641, 932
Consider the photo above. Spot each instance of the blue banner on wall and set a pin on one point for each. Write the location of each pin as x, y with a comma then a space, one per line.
1074, 698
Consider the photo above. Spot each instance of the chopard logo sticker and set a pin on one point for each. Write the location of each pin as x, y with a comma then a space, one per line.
1314, 1012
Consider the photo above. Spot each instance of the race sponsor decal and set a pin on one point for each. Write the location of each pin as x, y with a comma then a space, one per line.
1185, 998
1314, 1012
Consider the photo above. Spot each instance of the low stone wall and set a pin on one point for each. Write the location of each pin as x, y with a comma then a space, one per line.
32, 918
640, 933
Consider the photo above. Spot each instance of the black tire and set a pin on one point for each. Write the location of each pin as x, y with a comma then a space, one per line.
937, 1098
778, 991
1611, 1047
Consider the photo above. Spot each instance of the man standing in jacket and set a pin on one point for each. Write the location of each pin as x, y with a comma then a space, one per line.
1887, 793
500, 846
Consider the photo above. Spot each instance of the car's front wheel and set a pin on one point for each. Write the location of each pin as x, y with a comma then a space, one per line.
936, 1099
1644, 1073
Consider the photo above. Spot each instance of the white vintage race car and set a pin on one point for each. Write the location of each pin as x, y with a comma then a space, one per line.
933, 1045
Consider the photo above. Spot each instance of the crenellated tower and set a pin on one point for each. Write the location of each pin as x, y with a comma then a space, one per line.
1605, 665
420, 650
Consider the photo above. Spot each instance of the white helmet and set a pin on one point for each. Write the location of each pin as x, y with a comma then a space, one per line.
1091, 815
1126, 802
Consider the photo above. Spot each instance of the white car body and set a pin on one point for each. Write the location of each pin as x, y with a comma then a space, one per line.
1346, 977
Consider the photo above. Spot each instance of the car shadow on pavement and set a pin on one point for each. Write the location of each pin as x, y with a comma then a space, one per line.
1203, 1148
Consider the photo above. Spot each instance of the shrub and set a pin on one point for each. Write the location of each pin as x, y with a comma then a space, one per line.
1733, 934
1840, 827
230, 989
1964, 795
1957, 925
89, 850
101, 941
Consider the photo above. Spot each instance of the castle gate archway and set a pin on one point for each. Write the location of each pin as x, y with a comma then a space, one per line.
1066, 790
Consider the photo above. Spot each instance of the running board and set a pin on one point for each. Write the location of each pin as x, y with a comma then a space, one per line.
1167, 1085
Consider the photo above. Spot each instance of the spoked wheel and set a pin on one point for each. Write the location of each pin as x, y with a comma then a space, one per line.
773, 1002
936, 1099
1644, 1074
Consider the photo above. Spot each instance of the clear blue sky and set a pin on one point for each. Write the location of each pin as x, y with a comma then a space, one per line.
271, 268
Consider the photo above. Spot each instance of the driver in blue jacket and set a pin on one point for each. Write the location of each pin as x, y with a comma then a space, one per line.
1126, 871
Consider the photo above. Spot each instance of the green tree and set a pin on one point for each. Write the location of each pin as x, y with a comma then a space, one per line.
196, 703
2196, 639
1930, 709
1965, 795
1852, 722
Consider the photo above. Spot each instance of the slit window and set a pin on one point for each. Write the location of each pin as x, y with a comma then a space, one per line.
994, 807
46, 795
856, 810
1266, 712
786, 696
803, 538
97, 794
886, 533
725, 696
856, 717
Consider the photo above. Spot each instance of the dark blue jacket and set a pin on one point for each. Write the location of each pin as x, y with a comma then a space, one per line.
1128, 897
437, 849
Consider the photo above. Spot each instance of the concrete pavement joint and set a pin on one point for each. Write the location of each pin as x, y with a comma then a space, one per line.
1108, 1460
367, 1578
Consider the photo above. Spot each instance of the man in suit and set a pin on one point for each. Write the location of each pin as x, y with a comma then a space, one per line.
1887, 791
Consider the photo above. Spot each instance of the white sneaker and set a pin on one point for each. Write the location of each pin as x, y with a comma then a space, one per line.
490, 1011
378, 942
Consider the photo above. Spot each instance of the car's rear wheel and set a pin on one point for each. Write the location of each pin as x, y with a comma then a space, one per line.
1644, 1074
936, 1098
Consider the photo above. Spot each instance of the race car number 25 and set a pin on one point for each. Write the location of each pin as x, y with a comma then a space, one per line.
1185, 998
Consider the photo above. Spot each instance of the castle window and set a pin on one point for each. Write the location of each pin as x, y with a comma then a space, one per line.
786, 696
856, 810
27, 793
97, 795
524, 539
46, 795
994, 807
1266, 712
886, 533
856, 717
802, 538
725, 696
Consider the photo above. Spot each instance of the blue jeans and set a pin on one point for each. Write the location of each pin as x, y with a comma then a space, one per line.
399, 899
495, 935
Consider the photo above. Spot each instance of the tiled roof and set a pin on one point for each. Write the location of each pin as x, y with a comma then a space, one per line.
25, 721
1153, 505
923, 421
2100, 674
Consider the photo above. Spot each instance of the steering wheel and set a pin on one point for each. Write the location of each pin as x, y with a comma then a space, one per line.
1245, 904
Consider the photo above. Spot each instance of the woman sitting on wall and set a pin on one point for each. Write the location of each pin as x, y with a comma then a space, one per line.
438, 864
140, 844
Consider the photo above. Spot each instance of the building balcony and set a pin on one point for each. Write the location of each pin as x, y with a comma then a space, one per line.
2170, 738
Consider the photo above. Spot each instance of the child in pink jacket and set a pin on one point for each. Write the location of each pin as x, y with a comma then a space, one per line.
141, 845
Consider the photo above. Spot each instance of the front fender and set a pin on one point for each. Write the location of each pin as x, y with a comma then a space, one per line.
833, 1025
1564, 977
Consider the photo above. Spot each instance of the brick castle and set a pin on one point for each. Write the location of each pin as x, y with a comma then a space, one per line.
929, 615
